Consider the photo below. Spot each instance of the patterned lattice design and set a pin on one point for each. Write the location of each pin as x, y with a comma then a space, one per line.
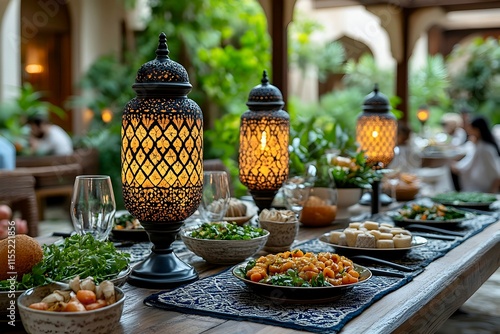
263, 153
376, 135
162, 158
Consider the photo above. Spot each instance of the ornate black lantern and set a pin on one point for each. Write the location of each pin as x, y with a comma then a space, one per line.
264, 137
162, 164
376, 132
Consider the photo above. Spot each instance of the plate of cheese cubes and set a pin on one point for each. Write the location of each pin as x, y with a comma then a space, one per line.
377, 239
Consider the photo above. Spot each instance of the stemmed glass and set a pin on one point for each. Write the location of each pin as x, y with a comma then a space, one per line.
216, 195
93, 205
296, 190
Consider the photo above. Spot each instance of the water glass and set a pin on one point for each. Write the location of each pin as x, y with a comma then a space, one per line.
93, 205
216, 195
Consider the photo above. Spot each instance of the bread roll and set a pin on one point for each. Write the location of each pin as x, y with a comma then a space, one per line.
28, 253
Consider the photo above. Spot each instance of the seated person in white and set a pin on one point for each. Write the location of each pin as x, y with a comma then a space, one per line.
479, 170
47, 138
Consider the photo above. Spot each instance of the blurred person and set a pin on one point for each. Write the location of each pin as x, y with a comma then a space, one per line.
7, 154
452, 124
479, 170
47, 138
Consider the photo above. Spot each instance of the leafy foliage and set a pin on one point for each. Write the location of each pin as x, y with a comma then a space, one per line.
476, 81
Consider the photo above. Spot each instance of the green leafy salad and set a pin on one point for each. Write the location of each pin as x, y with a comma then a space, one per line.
465, 197
227, 231
76, 255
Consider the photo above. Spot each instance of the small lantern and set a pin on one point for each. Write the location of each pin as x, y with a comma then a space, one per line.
423, 116
264, 137
376, 129
376, 132
162, 164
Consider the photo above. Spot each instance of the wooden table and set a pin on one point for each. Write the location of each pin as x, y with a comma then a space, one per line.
422, 305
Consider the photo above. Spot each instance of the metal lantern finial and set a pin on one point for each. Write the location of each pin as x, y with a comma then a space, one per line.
162, 164
264, 137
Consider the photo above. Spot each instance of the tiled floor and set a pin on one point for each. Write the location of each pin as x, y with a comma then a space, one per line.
479, 315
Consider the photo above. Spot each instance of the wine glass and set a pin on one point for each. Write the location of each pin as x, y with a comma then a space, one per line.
93, 205
216, 195
296, 191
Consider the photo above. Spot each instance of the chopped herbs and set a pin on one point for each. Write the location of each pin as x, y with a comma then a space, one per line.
227, 231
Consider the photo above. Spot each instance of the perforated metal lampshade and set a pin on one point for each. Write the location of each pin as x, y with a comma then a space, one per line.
264, 138
162, 164
376, 129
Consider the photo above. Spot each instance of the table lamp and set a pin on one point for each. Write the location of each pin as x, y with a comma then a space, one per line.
264, 136
376, 131
162, 165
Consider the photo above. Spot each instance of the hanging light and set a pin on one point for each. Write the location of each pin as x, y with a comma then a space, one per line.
376, 132
264, 136
162, 165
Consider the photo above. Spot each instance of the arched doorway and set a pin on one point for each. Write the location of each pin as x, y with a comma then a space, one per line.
46, 52
354, 49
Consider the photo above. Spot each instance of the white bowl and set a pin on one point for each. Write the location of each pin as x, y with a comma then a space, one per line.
223, 251
104, 320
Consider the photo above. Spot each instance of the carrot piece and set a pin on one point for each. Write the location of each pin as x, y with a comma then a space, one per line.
39, 306
86, 296
256, 277
97, 305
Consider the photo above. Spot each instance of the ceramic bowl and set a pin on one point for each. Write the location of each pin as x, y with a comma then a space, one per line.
223, 251
281, 234
104, 320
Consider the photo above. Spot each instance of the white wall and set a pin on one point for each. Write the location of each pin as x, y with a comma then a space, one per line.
96, 32
10, 58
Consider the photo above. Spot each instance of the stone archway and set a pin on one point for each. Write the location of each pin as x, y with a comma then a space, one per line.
354, 49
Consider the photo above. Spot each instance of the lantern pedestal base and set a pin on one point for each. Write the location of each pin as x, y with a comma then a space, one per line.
263, 198
162, 268
162, 271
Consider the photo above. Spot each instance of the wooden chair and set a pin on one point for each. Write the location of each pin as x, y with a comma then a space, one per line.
55, 175
17, 189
